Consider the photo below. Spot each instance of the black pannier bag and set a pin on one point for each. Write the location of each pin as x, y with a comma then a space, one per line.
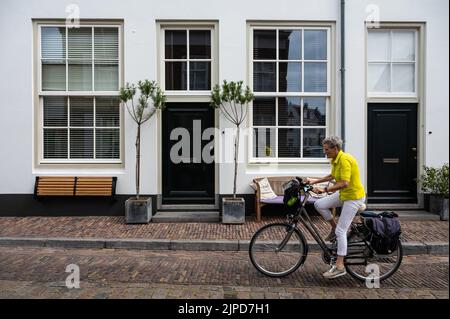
291, 193
385, 232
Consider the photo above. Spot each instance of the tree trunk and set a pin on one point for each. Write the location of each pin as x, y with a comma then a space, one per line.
236, 150
138, 159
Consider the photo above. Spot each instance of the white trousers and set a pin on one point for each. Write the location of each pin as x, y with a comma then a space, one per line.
349, 210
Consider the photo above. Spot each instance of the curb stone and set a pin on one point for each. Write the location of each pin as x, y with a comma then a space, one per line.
409, 248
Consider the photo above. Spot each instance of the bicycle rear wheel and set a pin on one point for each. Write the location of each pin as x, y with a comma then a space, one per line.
373, 266
278, 249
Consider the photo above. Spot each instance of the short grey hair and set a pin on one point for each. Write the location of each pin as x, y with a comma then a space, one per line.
333, 141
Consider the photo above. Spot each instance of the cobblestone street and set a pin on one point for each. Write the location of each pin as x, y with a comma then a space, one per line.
30, 272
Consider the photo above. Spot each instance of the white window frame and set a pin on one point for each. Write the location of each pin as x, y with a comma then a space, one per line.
187, 26
67, 94
328, 96
393, 94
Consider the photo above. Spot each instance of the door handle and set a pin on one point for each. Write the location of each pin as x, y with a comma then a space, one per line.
414, 149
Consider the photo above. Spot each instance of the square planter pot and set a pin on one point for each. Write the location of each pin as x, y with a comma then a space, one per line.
138, 211
233, 210
436, 203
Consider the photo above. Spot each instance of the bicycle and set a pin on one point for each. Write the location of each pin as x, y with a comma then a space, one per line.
278, 249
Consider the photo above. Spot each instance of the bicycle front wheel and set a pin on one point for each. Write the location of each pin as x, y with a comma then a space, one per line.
278, 249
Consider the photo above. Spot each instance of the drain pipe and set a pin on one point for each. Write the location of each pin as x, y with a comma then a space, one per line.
343, 73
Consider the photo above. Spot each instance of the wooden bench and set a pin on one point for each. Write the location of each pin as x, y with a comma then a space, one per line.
276, 182
75, 186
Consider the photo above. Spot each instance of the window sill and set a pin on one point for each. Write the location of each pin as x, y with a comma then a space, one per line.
255, 162
57, 162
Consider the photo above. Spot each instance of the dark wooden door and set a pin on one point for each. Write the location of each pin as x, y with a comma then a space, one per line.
392, 153
187, 174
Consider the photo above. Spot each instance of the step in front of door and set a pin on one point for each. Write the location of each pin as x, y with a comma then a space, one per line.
186, 217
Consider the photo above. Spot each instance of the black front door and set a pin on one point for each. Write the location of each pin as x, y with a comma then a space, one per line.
392, 153
188, 154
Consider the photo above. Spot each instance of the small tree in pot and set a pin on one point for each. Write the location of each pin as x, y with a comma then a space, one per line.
137, 209
435, 181
232, 100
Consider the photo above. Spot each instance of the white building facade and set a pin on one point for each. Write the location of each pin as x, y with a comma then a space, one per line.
60, 113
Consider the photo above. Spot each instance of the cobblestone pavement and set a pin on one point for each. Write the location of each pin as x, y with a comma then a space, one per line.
115, 227
27, 272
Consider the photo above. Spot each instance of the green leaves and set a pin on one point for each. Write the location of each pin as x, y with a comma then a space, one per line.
436, 180
230, 92
151, 98
231, 98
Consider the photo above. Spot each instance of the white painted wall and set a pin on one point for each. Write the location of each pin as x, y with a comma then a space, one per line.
434, 14
140, 60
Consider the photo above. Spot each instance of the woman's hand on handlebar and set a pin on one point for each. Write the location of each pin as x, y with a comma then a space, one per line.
310, 181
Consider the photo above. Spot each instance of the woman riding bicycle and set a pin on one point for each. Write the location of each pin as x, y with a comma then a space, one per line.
347, 193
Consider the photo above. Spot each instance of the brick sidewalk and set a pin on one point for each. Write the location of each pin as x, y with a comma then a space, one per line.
115, 227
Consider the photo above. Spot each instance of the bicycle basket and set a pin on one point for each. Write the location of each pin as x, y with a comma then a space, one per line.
291, 193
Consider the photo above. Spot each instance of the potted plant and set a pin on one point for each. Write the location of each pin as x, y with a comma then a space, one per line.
232, 100
435, 181
139, 209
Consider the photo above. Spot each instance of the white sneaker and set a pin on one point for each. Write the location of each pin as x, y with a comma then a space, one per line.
334, 272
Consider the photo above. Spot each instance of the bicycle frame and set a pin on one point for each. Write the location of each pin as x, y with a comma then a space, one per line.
302, 215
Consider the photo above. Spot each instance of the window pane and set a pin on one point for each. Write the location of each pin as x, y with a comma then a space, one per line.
53, 43
81, 143
264, 44
55, 143
176, 76
106, 76
289, 109
312, 142
315, 45
264, 111
403, 77
264, 142
289, 142
290, 44
80, 43
403, 45
290, 77
55, 111
314, 111
200, 76
264, 78
80, 75
106, 43
107, 143
53, 75
199, 44
81, 111
379, 77
175, 46
107, 111
315, 77
379, 46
